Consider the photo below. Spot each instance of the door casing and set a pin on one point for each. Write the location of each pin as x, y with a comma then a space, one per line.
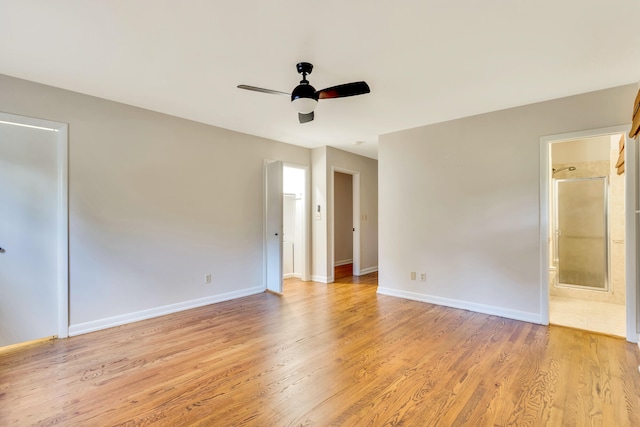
356, 221
631, 210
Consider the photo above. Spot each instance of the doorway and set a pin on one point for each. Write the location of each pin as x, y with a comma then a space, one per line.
33, 230
345, 223
294, 188
286, 238
588, 181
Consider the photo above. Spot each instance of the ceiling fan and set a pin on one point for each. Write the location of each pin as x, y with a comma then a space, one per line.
305, 97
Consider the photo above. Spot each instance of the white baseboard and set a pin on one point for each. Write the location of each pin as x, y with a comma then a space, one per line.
288, 275
109, 322
368, 270
343, 262
321, 279
464, 305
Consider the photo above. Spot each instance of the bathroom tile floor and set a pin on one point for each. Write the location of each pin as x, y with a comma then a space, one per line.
589, 315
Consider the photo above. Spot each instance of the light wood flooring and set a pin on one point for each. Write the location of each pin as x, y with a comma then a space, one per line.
324, 355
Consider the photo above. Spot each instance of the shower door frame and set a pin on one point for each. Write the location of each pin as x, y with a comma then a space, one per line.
557, 231
631, 200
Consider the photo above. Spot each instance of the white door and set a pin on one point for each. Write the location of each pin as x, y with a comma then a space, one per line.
274, 226
30, 209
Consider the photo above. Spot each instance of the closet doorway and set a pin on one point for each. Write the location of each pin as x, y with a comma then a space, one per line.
295, 250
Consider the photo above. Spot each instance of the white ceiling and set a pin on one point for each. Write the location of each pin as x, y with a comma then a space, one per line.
426, 61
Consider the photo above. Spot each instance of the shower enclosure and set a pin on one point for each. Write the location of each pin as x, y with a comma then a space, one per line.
580, 241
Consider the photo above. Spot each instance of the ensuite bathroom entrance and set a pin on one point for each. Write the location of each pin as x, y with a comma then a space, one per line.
587, 234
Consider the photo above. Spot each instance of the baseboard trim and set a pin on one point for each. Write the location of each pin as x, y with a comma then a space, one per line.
110, 322
288, 276
464, 305
321, 279
368, 270
343, 262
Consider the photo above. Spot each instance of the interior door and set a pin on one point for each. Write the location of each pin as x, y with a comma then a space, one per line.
274, 226
29, 197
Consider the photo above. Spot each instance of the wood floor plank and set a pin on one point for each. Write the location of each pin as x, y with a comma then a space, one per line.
337, 354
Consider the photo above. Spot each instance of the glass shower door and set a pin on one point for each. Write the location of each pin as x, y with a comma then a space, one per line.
581, 232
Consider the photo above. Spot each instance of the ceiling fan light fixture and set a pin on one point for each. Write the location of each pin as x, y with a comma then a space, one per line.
304, 105
304, 98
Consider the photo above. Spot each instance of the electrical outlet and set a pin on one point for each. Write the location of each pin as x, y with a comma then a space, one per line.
207, 278
423, 277
413, 275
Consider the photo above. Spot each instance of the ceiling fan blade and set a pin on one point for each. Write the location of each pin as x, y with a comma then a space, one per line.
263, 90
305, 118
347, 89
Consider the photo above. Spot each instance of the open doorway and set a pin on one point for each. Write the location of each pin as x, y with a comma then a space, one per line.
343, 225
285, 199
345, 253
590, 277
294, 242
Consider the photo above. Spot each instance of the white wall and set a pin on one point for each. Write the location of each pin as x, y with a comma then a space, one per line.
459, 201
319, 261
298, 242
343, 222
293, 181
288, 234
152, 208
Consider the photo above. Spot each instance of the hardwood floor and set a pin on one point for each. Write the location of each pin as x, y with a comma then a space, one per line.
321, 355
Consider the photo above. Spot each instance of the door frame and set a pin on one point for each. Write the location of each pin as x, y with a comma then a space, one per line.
62, 142
355, 176
631, 200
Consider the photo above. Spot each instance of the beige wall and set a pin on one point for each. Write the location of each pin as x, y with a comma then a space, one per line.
582, 150
152, 208
368, 171
460, 201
